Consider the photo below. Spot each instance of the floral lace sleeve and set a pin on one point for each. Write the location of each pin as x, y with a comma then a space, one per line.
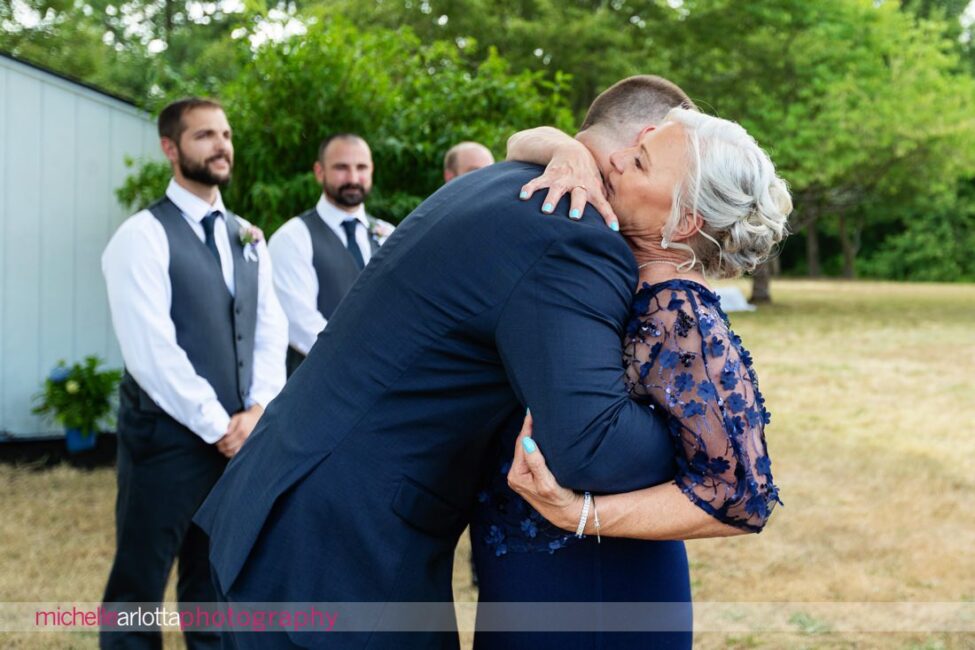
680, 352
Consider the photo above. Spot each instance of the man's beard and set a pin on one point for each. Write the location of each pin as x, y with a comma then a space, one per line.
201, 172
350, 195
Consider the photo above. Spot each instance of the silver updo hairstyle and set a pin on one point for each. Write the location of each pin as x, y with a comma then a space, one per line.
732, 184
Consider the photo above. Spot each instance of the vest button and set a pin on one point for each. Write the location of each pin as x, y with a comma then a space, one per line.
240, 364
240, 337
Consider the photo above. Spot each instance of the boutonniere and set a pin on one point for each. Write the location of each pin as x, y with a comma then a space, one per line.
250, 237
380, 230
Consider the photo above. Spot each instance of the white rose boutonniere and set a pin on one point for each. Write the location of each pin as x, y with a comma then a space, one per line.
250, 237
380, 230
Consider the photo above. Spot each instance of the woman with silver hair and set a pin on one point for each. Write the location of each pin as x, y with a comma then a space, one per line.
698, 198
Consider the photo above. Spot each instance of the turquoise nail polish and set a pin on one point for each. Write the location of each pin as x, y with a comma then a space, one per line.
615, 226
548, 207
575, 214
529, 445
523, 195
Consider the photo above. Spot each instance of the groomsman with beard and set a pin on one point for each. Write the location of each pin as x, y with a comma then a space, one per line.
203, 338
319, 254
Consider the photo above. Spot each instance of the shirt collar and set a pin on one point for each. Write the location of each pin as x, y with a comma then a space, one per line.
190, 204
334, 217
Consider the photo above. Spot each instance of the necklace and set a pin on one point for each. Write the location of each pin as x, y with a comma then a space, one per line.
673, 264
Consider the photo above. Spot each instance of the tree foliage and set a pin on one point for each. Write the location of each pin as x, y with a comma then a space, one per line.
867, 107
862, 107
409, 99
142, 50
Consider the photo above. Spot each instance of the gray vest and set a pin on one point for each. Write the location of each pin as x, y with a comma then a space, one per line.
333, 263
215, 329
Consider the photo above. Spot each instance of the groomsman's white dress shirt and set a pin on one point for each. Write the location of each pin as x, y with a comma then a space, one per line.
294, 275
136, 269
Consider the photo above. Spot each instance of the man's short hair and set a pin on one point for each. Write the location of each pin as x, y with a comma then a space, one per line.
640, 99
337, 136
170, 121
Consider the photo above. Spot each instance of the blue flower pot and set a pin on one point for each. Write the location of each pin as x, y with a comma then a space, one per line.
77, 441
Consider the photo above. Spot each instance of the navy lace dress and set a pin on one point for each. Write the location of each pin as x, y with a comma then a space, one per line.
682, 359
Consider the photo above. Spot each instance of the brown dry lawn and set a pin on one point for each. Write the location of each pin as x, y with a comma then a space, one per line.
871, 388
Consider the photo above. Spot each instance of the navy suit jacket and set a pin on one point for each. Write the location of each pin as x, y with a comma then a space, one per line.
360, 476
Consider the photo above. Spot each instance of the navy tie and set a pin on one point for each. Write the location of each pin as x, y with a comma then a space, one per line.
353, 246
208, 231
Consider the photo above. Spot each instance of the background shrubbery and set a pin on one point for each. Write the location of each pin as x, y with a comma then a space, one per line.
411, 100
867, 107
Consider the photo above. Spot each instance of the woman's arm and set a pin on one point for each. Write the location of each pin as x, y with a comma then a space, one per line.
538, 145
684, 358
660, 512
570, 167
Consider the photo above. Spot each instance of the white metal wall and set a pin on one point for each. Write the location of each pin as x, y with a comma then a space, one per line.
62, 152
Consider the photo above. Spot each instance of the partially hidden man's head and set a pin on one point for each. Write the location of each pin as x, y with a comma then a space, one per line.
196, 138
680, 179
465, 157
344, 170
626, 110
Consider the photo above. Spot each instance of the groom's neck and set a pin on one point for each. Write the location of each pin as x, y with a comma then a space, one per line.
600, 146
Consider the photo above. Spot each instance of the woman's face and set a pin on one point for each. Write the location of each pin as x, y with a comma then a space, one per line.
642, 179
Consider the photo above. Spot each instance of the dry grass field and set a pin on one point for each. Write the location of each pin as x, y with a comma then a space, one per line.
873, 445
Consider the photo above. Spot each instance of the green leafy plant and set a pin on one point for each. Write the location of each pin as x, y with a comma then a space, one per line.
79, 396
411, 99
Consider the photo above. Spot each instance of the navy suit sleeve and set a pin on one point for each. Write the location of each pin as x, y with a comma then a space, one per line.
560, 339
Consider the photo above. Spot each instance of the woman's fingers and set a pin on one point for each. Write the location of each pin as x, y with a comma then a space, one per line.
528, 189
605, 210
555, 192
526, 426
531, 479
519, 468
577, 202
543, 480
528, 466
579, 195
546, 180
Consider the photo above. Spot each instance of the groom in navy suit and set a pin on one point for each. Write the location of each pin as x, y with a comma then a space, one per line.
360, 475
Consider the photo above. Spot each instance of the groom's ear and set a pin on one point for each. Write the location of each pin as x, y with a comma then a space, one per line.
645, 130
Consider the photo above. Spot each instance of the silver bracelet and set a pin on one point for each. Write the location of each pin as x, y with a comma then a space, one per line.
595, 520
584, 515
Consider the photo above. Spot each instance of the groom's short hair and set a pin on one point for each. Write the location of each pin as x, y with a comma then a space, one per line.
641, 99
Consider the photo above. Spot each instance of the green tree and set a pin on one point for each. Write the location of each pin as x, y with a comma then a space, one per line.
827, 87
865, 106
142, 50
411, 101
938, 247
596, 41
823, 86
